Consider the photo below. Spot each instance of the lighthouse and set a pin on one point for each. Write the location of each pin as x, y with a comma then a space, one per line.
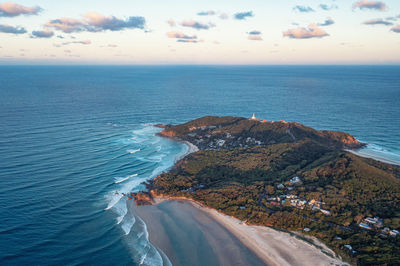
253, 117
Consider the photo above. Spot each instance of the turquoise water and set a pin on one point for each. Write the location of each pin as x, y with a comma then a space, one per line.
70, 137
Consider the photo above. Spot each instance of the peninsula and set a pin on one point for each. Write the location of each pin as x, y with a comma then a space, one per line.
290, 177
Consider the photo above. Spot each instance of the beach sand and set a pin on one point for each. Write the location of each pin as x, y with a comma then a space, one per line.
190, 234
363, 153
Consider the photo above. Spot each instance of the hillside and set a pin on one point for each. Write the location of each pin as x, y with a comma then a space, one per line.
232, 132
293, 177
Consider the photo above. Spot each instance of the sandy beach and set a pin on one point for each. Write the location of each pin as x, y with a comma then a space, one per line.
375, 157
272, 246
190, 236
226, 236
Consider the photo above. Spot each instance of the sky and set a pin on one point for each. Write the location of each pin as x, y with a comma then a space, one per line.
259, 32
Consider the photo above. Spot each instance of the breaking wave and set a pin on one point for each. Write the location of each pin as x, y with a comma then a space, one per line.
156, 155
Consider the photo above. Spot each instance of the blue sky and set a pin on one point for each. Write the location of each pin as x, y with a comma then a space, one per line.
200, 32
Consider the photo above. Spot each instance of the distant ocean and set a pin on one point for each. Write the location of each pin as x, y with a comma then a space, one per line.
72, 136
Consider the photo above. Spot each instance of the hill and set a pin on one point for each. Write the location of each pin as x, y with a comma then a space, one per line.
291, 177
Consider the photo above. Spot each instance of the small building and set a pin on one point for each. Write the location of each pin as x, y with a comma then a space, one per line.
365, 226
295, 180
306, 229
376, 221
280, 186
326, 212
254, 118
220, 142
393, 233
348, 247
242, 207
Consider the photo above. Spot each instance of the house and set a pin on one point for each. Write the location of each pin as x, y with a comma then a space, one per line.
295, 180
393, 233
365, 226
326, 212
315, 203
274, 198
348, 247
306, 229
376, 221
280, 186
220, 142
274, 203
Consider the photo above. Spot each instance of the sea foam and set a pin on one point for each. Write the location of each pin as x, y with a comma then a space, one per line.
158, 155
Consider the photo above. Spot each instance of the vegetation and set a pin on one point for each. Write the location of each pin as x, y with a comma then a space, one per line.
241, 181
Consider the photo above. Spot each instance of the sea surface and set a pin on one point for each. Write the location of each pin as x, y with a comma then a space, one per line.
73, 138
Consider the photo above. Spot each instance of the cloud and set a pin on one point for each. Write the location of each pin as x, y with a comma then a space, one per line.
98, 22
11, 29
186, 40
328, 7
303, 9
243, 15
367, 4
10, 9
312, 31
206, 13
391, 18
95, 22
180, 35
377, 22
223, 16
85, 42
255, 37
197, 25
66, 25
42, 34
327, 22
396, 29
171, 22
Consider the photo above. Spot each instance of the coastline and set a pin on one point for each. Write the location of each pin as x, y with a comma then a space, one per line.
272, 247
374, 157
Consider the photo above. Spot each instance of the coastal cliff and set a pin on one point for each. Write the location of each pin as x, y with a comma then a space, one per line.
289, 176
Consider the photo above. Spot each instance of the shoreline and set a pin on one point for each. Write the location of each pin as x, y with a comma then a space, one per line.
260, 240
272, 247
374, 157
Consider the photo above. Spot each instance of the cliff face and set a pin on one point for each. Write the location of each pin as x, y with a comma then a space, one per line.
168, 133
213, 132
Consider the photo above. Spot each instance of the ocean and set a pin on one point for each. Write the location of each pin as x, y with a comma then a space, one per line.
73, 138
